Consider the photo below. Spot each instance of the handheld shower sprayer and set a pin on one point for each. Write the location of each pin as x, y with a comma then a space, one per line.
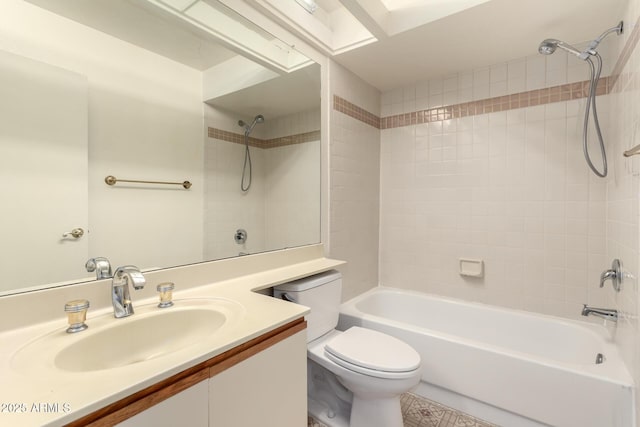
249, 128
247, 155
548, 47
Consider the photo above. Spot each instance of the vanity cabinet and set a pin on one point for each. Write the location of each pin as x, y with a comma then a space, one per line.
261, 382
268, 389
187, 408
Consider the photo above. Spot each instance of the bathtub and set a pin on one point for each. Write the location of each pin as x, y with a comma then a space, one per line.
509, 367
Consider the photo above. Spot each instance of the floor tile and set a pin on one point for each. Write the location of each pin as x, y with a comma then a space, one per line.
418, 411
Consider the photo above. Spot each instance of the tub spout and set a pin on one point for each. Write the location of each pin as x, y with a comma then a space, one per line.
605, 313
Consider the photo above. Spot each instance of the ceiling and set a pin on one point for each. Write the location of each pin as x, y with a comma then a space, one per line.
492, 32
409, 48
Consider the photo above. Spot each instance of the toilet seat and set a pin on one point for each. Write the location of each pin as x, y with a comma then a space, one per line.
372, 353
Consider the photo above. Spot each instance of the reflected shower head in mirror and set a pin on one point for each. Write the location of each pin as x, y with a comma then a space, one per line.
248, 128
247, 155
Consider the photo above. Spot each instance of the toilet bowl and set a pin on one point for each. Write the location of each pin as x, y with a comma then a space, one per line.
357, 375
369, 372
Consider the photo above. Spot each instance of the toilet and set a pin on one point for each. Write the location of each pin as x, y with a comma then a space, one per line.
355, 377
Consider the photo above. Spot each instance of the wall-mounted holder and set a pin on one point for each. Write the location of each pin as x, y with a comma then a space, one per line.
615, 274
471, 267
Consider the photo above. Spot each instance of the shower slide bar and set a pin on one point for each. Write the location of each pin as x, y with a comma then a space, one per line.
112, 180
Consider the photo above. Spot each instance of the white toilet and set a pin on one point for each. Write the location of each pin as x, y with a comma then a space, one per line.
355, 377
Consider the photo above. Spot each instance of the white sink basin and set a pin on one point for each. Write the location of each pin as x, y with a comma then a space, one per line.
148, 334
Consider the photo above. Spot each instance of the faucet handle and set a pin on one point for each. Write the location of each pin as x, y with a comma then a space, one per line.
77, 313
166, 293
133, 273
614, 273
101, 266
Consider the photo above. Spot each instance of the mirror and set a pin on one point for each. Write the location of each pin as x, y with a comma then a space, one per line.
149, 90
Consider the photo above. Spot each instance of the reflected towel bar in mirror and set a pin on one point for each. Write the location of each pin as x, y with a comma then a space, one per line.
632, 152
112, 180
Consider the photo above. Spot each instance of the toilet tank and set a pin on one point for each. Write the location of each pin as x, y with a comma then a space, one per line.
321, 293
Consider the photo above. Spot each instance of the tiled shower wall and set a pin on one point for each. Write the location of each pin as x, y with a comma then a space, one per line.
509, 187
623, 186
354, 184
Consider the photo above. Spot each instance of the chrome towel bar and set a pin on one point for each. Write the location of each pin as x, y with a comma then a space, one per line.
112, 180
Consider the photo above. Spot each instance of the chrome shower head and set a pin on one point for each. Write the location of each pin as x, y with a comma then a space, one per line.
548, 46
248, 128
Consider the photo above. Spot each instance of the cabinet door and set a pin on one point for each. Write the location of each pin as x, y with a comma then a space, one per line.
187, 408
268, 389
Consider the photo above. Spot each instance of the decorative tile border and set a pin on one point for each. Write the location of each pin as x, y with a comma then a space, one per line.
238, 138
352, 110
565, 92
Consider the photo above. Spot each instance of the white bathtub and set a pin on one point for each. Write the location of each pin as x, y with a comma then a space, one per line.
509, 367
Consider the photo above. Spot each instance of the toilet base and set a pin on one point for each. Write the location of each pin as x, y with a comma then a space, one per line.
320, 412
334, 405
376, 412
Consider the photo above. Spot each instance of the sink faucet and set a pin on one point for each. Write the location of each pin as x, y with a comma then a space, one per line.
101, 266
605, 313
122, 306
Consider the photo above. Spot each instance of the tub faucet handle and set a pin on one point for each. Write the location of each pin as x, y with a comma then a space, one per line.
614, 273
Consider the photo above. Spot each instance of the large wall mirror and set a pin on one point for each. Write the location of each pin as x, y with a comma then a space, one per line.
156, 91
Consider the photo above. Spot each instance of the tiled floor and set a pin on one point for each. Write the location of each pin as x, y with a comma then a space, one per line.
420, 412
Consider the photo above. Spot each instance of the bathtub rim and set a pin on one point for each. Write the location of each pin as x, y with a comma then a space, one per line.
616, 371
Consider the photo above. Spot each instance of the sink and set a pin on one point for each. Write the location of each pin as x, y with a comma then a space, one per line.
149, 334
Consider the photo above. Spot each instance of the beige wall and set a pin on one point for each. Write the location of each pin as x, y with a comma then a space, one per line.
139, 103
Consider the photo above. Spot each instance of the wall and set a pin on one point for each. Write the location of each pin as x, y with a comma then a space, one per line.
354, 179
498, 175
623, 190
139, 103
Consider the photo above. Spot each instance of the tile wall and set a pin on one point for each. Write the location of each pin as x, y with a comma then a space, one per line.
354, 183
623, 187
500, 177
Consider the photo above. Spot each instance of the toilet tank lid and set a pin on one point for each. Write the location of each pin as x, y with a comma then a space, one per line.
310, 281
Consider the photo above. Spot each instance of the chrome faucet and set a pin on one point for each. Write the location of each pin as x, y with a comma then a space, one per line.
605, 313
101, 266
122, 306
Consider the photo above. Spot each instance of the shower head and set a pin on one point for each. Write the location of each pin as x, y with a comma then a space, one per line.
548, 46
248, 128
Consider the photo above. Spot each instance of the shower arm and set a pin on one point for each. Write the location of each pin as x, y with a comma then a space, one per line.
618, 29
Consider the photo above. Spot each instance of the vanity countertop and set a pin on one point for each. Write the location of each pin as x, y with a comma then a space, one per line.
44, 395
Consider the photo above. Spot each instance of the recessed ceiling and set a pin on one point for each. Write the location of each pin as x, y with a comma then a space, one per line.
490, 33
